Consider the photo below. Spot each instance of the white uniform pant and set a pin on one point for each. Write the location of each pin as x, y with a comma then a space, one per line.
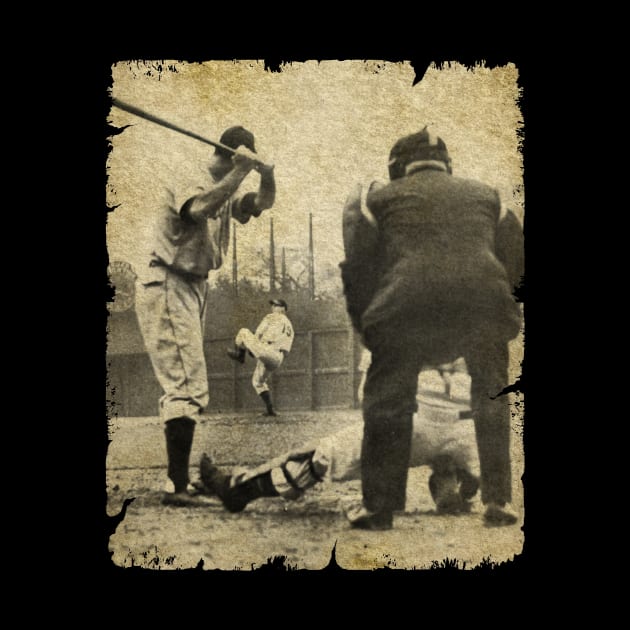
436, 432
170, 313
267, 357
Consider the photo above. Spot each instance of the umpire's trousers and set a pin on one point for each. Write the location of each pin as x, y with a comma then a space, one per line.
389, 403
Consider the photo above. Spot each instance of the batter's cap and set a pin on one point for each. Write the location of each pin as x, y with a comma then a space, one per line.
423, 145
234, 137
277, 302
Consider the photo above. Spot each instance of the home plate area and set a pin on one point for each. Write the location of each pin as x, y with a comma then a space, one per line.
303, 533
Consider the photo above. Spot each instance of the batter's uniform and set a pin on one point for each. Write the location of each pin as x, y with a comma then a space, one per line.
440, 292
443, 437
171, 301
171, 305
269, 345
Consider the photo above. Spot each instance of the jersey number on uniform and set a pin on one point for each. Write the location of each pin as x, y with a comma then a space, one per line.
287, 330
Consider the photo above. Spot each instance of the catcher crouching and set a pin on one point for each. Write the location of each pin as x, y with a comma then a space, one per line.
443, 438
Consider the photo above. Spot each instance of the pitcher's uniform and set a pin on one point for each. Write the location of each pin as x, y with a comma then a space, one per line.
271, 342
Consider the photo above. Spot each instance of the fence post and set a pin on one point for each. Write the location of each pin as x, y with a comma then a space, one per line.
311, 258
234, 387
272, 259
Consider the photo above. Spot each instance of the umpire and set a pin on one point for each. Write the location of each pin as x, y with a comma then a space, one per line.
448, 259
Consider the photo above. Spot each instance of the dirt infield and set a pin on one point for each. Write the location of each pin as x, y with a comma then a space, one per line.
303, 532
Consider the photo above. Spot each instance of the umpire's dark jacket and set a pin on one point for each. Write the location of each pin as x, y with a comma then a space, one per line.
443, 249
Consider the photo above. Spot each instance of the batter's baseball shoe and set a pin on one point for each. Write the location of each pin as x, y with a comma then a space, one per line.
362, 518
237, 354
497, 515
270, 413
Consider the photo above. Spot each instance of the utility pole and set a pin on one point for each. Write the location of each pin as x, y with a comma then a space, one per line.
272, 259
311, 258
283, 281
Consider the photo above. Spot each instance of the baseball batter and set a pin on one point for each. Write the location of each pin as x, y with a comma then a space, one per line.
191, 237
269, 345
443, 438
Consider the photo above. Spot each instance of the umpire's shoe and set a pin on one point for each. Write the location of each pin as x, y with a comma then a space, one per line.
362, 518
237, 354
497, 515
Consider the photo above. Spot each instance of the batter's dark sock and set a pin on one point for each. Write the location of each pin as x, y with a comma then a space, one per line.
179, 437
267, 400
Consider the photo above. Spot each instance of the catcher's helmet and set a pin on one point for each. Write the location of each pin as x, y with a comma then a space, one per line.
422, 145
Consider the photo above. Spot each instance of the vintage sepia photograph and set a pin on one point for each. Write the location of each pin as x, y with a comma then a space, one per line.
316, 332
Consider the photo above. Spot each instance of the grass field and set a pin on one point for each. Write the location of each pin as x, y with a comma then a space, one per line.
302, 532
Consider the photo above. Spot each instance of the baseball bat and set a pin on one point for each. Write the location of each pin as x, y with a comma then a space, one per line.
132, 109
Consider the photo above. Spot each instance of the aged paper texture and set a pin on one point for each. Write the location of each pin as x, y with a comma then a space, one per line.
325, 126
